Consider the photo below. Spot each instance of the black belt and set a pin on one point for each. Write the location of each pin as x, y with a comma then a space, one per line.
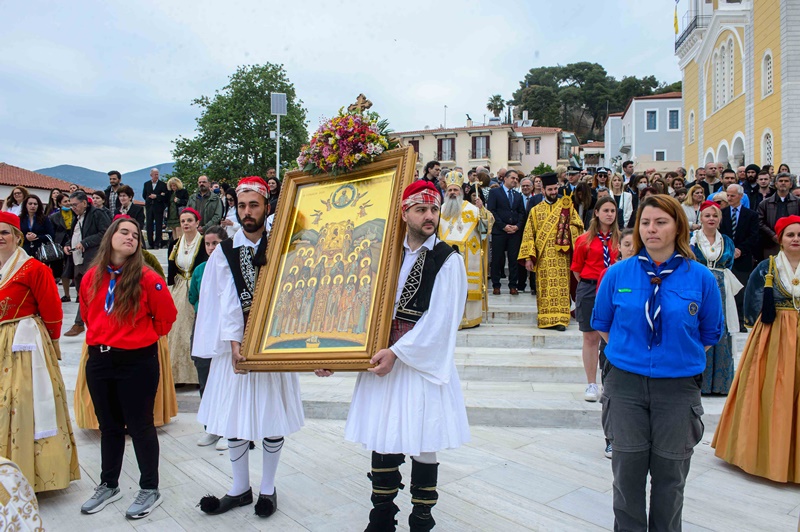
589, 281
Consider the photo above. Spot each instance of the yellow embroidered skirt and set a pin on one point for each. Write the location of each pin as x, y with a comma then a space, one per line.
758, 429
166, 405
180, 336
49, 463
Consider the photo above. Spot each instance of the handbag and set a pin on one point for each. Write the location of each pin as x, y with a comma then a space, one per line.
49, 251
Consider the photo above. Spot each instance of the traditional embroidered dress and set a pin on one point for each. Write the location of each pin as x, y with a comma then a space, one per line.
166, 402
466, 232
182, 261
548, 240
418, 407
256, 405
19, 509
35, 429
758, 430
718, 257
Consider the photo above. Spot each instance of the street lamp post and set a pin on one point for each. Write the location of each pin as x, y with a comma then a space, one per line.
278, 107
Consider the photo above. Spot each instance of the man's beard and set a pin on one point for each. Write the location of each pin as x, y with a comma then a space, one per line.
251, 225
451, 208
551, 199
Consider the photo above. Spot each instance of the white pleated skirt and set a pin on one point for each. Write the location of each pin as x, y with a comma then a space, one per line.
252, 406
405, 413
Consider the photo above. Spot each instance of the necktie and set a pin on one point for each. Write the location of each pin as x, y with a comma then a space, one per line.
112, 284
652, 307
606, 253
734, 221
510, 198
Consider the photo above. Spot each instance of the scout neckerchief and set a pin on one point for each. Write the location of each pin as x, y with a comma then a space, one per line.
112, 285
652, 307
604, 238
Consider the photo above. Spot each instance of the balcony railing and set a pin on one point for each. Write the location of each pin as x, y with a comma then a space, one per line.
480, 155
514, 155
625, 144
446, 156
691, 22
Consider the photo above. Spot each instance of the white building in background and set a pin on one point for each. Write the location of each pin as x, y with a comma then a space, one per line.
516, 146
648, 132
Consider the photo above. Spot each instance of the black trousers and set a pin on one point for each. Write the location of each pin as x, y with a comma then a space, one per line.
155, 219
79, 271
203, 366
505, 245
123, 385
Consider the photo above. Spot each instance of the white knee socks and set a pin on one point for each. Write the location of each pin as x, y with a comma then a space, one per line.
240, 464
271, 455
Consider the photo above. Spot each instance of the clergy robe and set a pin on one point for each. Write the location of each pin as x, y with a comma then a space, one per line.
465, 233
551, 258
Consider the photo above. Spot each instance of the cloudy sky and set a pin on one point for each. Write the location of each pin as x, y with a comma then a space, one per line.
109, 84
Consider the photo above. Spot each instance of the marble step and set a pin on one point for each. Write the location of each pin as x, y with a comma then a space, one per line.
500, 404
484, 364
510, 335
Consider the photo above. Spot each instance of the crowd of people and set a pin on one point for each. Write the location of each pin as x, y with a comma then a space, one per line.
712, 251
657, 272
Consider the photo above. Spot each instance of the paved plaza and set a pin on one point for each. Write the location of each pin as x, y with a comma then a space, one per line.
535, 461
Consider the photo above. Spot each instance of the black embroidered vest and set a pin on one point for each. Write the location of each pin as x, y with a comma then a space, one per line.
244, 272
416, 295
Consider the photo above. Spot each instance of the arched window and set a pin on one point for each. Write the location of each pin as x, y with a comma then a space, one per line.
730, 69
691, 127
723, 77
766, 75
715, 85
766, 149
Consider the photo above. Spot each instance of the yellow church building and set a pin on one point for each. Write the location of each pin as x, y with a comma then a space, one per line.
741, 81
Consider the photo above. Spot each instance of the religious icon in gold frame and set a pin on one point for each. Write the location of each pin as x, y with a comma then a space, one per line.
325, 298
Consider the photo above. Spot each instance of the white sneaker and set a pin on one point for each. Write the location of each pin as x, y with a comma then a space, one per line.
591, 394
207, 439
222, 444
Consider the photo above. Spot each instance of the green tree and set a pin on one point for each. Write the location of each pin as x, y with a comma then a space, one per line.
543, 168
496, 105
541, 102
233, 130
584, 95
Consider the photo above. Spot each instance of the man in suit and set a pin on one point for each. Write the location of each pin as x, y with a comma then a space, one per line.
772, 209
155, 201
112, 197
506, 206
88, 228
529, 200
741, 225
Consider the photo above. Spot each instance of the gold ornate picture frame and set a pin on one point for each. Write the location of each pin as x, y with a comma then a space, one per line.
325, 298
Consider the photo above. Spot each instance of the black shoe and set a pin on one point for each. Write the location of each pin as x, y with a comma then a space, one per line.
267, 504
560, 328
742, 329
66, 299
214, 506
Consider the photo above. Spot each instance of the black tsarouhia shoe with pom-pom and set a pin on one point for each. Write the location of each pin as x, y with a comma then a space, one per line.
214, 506
267, 504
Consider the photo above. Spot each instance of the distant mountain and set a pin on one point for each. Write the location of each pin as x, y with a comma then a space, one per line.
86, 177
78, 175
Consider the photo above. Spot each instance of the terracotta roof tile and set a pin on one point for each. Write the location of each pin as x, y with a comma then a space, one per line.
13, 176
594, 145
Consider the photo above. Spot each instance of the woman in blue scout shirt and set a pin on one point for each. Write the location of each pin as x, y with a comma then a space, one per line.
659, 312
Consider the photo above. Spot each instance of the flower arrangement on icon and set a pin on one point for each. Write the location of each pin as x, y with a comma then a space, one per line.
346, 141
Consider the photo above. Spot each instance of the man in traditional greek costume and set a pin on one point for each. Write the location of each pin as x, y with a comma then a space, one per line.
242, 406
410, 403
547, 244
464, 226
